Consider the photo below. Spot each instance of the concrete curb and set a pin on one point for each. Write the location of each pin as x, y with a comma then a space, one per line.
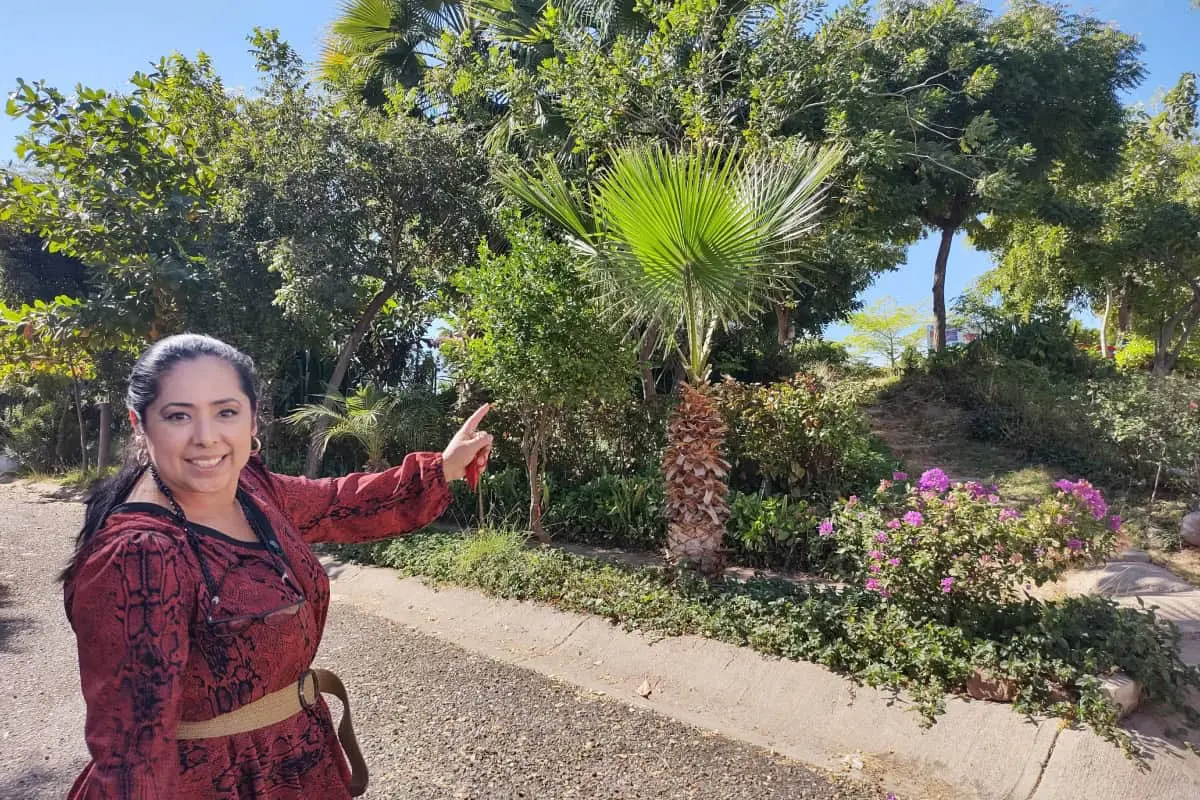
976, 751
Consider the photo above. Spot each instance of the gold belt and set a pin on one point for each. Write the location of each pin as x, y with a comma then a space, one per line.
278, 706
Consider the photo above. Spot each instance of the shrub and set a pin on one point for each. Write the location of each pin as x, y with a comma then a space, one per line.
807, 437
945, 551
775, 531
614, 510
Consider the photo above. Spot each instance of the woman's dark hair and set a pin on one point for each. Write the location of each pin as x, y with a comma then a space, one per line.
144, 383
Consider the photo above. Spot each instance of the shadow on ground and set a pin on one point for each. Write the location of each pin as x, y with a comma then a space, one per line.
10, 625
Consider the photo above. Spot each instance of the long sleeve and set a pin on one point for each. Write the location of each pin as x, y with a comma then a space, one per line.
130, 610
364, 507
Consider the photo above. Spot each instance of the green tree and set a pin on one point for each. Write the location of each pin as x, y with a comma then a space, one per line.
527, 331
886, 329
1126, 244
685, 242
954, 114
352, 214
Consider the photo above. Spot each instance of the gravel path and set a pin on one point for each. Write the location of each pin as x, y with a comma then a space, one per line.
435, 721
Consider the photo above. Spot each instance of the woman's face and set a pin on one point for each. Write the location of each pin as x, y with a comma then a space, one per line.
198, 431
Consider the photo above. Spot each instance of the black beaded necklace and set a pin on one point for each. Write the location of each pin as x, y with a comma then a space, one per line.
267, 539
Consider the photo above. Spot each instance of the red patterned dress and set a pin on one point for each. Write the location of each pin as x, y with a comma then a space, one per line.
148, 654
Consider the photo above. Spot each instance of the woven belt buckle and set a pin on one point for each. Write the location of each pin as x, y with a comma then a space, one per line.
308, 678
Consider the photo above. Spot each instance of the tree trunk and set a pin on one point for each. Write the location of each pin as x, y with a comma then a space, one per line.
531, 447
1104, 324
1125, 310
695, 476
339, 372
645, 353
785, 330
1166, 347
939, 288
83, 462
102, 452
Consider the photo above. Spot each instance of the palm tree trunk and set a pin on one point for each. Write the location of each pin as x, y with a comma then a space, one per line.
695, 474
339, 372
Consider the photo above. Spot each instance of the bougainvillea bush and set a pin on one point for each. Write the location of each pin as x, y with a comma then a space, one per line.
940, 549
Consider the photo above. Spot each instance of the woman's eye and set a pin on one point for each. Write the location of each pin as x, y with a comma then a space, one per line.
229, 412
178, 416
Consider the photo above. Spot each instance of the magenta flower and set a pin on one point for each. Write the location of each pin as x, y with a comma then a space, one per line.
977, 490
947, 584
881, 537
935, 480
1114, 522
872, 585
825, 528
895, 562
993, 498
899, 476
885, 593
1009, 515
875, 555
1074, 544
874, 568
895, 524
914, 518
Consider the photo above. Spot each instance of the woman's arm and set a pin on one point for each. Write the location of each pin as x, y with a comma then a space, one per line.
129, 607
363, 507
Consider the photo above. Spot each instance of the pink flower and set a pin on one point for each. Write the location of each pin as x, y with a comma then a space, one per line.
881, 537
825, 528
993, 498
884, 485
895, 524
1114, 522
935, 480
853, 501
872, 585
1008, 515
899, 476
947, 584
874, 568
1074, 544
875, 555
895, 562
914, 518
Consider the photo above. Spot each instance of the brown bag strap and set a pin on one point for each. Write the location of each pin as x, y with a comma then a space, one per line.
328, 683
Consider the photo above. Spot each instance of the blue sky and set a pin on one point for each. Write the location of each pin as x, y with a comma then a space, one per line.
102, 44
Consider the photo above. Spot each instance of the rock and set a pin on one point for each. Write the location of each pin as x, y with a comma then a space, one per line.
1123, 691
8, 466
985, 686
1189, 529
645, 689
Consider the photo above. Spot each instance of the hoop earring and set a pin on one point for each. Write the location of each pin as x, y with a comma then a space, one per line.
255, 445
141, 452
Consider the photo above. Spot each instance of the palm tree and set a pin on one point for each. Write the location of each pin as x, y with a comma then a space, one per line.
682, 243
376, 46
367, 417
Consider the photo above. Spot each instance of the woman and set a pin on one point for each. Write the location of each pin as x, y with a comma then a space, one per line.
197, 603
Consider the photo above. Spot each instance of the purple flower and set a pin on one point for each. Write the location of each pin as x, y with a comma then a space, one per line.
881, 537
1009, 515
875, 555
874, 568
891, 796
935, 480
872, 585
993, 498
894, 524
914, 518
885, 593
895, 562
825, 528
899, 476
947, 584
1064, 486
1090, 496
1074, 544
977, 490
1114, 522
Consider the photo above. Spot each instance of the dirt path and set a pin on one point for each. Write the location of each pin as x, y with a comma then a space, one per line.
436, 721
